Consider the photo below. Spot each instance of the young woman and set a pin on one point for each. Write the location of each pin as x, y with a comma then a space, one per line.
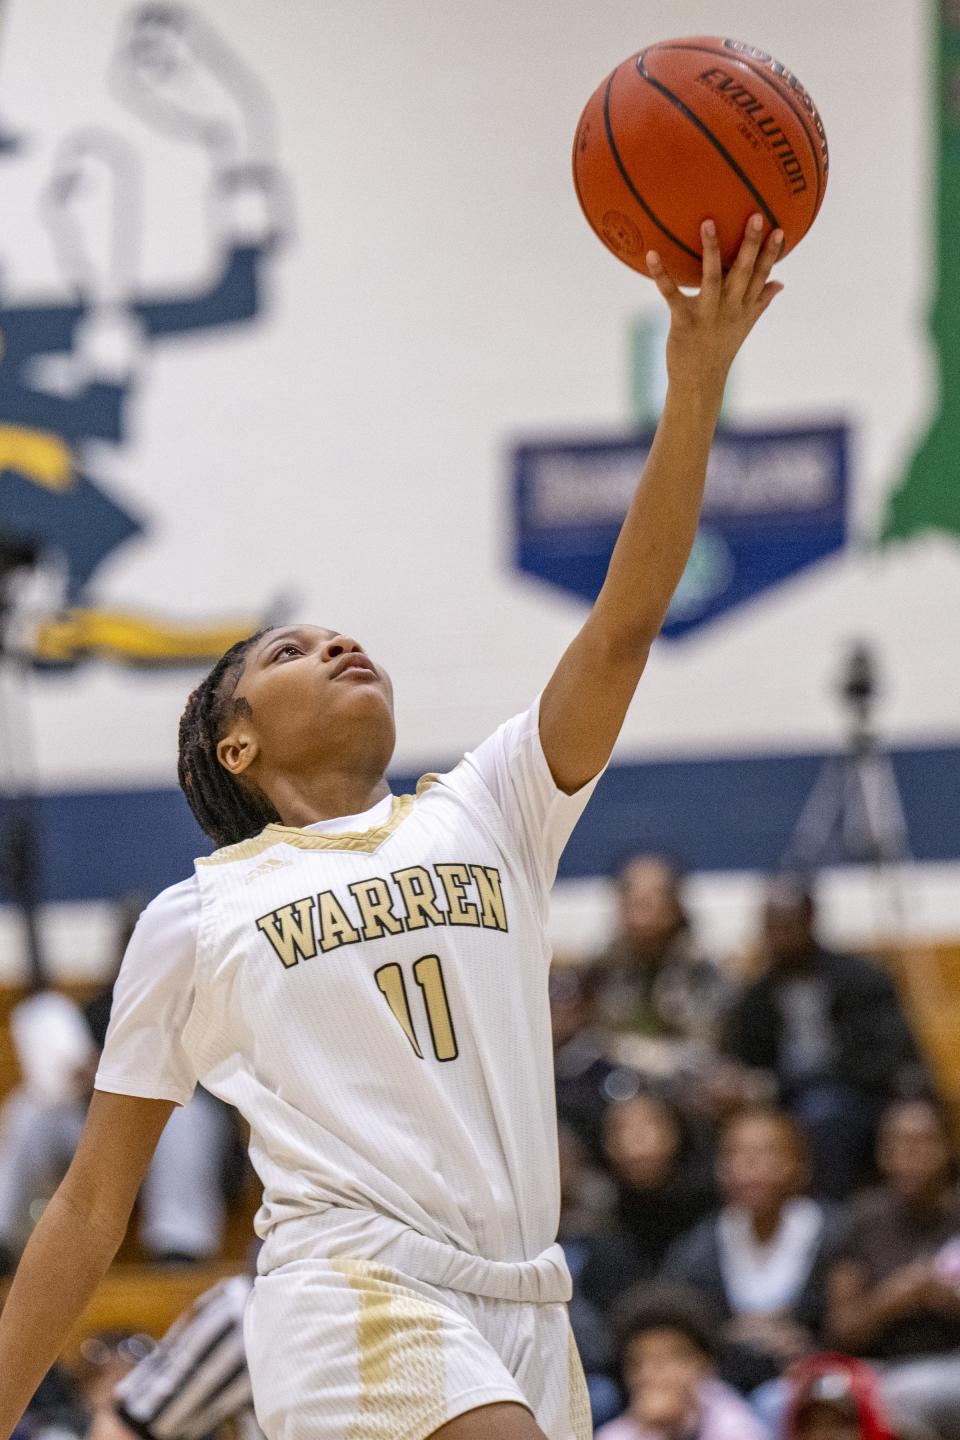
364, 976
664, 1186
761, 1260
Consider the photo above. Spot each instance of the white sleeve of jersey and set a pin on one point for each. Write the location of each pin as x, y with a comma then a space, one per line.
143, 1054
538, 816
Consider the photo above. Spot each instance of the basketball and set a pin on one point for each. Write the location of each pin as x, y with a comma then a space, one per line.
691, 129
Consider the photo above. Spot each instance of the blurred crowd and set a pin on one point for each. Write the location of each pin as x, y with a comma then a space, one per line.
199, 1163
759, 1199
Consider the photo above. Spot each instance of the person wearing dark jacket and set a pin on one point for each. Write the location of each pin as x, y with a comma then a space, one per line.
830, 1030
661, 999
664, 1184
586, 1081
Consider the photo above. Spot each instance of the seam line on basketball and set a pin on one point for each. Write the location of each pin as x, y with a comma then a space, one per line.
576, 177
694, 255
781, 95
705, 130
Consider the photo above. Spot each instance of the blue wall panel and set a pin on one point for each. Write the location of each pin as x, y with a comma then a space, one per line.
721, 814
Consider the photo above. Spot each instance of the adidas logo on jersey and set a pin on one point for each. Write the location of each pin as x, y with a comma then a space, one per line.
265, 867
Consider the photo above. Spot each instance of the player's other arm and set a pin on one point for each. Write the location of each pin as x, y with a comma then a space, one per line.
583, 706
74, 1243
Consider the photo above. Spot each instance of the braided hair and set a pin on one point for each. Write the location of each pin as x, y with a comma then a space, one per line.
228, 809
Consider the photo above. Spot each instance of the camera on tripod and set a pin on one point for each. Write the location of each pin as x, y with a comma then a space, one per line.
854, 813
858, 686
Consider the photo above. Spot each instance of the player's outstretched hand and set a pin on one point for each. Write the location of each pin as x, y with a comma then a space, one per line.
708, 328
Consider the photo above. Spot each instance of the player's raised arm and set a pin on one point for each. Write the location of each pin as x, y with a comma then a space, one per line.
583, 706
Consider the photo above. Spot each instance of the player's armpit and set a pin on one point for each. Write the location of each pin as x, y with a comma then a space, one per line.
504, 1421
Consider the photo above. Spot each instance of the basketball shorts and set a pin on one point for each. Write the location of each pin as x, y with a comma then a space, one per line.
352, 1350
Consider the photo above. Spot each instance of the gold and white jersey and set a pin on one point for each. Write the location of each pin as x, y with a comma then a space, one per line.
371, 994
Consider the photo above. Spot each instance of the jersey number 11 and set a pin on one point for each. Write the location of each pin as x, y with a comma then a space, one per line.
429, 977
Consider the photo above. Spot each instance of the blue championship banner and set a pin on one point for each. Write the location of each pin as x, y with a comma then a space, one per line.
775, 504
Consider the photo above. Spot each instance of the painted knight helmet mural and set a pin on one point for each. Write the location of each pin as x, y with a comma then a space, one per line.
73, 361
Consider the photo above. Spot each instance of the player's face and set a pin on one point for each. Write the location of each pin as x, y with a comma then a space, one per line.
315, 697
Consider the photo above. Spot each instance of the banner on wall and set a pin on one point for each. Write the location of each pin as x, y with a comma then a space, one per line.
775, 504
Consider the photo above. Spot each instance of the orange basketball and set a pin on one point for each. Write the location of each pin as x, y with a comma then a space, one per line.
691, 129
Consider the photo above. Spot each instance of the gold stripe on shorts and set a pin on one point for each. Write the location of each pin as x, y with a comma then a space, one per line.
400, 1359
578, 1397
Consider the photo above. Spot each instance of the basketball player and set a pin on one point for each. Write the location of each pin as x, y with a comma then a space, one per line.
364, 976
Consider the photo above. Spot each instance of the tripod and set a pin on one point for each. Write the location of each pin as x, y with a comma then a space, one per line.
19, 849
854, 813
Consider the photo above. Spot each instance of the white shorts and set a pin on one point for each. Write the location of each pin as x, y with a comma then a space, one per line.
352, 1350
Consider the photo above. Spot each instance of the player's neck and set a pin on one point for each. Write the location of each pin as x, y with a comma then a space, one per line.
302, 800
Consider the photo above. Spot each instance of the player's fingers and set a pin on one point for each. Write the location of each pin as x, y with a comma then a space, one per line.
766, 260
742, 268
712, 268
665, 284
769, 292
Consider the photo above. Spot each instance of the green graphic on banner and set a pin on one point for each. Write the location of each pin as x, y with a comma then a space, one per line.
928, 498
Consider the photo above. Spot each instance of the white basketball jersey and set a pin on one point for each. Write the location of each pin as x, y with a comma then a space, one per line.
374, 1002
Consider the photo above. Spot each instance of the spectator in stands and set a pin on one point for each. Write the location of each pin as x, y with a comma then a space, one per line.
761, 1261
894, 1290
182, 1201
586, 1081
667, 1364
664, 1185
661, 997
41, 1119
832, 1397
596, 1259
830, 1030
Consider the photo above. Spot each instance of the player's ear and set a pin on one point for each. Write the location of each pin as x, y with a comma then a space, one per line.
238, 749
